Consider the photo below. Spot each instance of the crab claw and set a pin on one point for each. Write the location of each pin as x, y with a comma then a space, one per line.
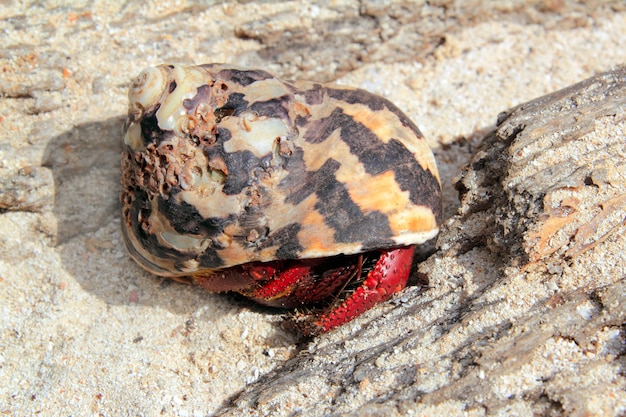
389, 276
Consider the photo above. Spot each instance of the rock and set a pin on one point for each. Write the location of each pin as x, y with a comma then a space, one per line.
560, 162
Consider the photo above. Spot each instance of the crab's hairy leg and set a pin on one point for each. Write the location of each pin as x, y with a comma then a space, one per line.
389, 276
330, 283
282, 284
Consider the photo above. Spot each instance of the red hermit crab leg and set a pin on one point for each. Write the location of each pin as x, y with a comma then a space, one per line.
283, 284
388, 277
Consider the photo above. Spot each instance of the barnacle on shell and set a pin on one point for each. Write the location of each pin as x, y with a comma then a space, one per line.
224, 166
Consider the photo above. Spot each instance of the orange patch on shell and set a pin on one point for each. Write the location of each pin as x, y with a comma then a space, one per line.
416, 219
377, 122
378, 193
315, 234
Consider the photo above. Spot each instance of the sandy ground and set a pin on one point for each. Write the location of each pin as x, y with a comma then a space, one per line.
84, 330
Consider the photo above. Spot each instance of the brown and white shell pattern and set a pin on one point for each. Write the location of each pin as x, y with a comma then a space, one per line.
224, 166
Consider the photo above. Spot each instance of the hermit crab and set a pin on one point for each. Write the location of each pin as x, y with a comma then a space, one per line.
295, 194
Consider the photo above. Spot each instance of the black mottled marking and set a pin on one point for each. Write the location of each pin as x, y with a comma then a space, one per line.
235, 102
315, 95
348, 221
276, 107
150, 130
357, 96
375, 155
319, 130
422, 185
286, 238
203, 95
186, 219
149, 241
292, 88
299, 184
210, 259
244, 77
223, 112
183, 217
172, 86
240, 166
378, 157
222, 135
373, 102
302, 120
334, 203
